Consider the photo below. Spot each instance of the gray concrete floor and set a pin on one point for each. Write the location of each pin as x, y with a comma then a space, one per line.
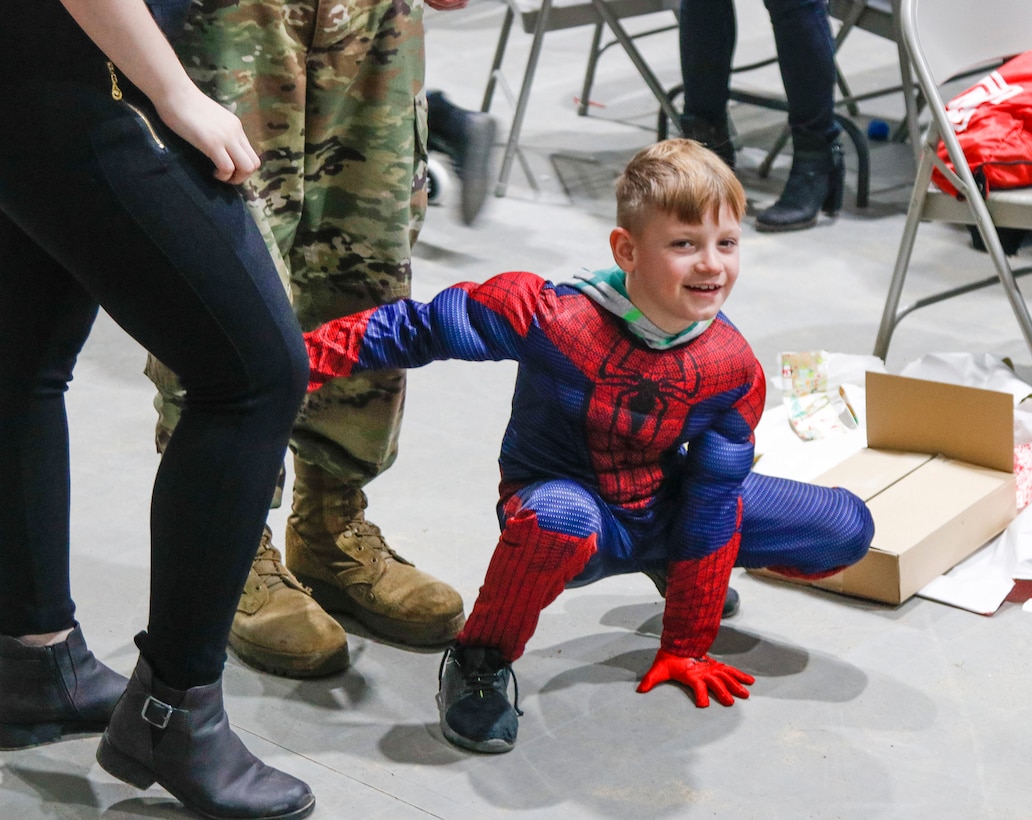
859, 710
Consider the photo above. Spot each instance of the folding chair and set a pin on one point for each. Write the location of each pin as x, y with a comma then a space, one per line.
943, 38
538, 17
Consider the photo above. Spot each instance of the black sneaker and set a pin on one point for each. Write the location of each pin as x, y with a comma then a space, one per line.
658, 576
473, 699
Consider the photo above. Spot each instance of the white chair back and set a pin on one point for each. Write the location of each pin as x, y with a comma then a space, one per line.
956, 35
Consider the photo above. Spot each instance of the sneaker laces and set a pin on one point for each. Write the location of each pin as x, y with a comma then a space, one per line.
483, 679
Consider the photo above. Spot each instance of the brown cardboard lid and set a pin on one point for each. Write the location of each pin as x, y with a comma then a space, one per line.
869, 472
965, 423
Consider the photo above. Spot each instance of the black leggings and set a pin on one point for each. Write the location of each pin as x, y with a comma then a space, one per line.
102, 205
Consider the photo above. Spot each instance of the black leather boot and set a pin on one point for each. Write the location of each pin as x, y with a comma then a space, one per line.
713, 135
182, 740
815, 183
52, 692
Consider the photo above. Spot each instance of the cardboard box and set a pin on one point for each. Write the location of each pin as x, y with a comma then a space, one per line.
938, 477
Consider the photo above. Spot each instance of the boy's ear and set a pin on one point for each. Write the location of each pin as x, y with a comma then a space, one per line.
622, 244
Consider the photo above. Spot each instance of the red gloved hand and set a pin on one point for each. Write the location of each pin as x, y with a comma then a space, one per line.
702, 675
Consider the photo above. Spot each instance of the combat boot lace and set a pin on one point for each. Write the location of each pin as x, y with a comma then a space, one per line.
279, 628
345, 560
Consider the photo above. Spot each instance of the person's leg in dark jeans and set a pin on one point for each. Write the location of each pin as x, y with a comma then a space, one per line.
802, 35
707, 31
806, 56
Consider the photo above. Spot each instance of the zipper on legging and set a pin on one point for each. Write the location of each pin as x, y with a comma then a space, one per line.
116, 94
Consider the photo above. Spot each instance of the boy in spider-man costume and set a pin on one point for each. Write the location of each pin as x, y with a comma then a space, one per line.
630, 444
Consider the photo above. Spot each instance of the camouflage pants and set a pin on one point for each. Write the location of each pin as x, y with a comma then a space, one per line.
331, 95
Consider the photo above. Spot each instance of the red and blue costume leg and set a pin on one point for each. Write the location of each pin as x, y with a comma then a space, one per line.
550, 530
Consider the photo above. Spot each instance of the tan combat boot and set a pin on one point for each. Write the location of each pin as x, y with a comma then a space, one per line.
278, 626
349, 567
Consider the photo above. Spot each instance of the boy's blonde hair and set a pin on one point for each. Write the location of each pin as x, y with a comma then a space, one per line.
678, 177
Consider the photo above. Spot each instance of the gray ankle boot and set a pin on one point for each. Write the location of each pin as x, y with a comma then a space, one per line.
52, 692
182, 740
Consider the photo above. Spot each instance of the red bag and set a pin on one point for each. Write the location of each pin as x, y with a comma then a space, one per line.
993, 122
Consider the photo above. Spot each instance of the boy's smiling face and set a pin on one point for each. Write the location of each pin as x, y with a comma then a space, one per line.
679, 273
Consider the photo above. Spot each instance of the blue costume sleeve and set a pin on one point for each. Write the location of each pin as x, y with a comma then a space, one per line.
453, 325
706, 534
466, 321
717, 463
710, 493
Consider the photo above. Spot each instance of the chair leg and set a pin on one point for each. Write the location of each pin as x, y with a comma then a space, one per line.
891, 314
496, 65
863, 159
513, 142
663, 123
779, 145
646, 73
589, 73
911, 100
846, 92
848, 24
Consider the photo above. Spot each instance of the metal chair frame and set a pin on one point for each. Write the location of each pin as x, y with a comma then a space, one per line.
551, 16
942, 39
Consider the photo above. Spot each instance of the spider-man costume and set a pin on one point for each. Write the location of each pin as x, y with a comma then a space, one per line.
619, 457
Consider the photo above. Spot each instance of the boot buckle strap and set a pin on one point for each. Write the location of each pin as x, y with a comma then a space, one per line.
156, 712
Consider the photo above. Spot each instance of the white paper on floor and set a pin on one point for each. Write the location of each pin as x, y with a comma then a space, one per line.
981, 582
